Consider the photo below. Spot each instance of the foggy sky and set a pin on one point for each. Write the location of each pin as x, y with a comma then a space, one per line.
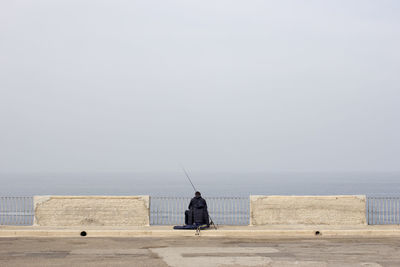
220, 85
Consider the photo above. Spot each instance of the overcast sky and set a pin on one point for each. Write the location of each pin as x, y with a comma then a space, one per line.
220, 85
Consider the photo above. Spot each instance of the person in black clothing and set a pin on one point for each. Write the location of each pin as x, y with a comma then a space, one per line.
197, 213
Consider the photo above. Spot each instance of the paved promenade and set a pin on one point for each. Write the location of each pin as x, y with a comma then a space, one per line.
223, 231
228, 246
199, 251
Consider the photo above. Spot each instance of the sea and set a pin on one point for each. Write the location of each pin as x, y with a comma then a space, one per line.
212, 184
171, 191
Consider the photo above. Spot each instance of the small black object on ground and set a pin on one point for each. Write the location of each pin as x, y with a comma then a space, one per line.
191, 227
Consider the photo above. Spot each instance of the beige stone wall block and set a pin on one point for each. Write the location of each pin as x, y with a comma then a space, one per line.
308, 210
92, 210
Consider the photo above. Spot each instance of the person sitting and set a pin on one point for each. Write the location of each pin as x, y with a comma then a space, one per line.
197, 214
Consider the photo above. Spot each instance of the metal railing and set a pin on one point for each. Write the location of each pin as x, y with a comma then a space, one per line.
383, 210
223, 210
16, 210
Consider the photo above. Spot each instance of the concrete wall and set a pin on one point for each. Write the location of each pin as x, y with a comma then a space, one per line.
92, 210
308, 210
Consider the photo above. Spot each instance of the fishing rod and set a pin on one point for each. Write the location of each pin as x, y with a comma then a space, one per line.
194, 188
187, 176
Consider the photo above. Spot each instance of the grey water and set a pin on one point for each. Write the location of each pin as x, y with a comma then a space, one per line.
209, 183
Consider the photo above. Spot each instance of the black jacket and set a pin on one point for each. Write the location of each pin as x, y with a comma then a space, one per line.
198, 212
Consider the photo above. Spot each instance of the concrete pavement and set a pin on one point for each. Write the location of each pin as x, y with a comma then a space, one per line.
223, 231
199, 251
